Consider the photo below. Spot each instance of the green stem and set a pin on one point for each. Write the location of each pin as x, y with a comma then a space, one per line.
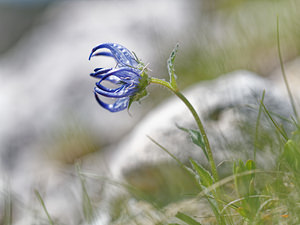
257, 125
284, 75
44, 207
198, 121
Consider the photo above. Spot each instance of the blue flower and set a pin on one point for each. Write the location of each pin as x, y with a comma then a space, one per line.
129, 76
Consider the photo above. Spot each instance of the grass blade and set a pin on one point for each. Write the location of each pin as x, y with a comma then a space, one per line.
168, 152
257, 125
187, 219
44, 206
280, 130
283, 73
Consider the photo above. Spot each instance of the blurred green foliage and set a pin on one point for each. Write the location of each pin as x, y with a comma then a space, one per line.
238, 34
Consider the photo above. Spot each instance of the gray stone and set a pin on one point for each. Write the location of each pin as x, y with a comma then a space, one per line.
223, 104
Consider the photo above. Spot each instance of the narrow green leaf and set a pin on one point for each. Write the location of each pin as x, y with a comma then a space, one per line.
187, 219
205, 177
197, 139
245, 184
280, 130
171, 69
250, 165
241, 183
252, 187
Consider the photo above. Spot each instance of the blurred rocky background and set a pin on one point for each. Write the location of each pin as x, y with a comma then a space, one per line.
49, 119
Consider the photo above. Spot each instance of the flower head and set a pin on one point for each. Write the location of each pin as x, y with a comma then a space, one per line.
129, 76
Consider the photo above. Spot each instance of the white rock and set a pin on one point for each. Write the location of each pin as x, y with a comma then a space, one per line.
229, 96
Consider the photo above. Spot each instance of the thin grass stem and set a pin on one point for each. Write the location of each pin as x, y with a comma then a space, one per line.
168, 152
283, 134
44, 206
284, 75
257, 125
86, 202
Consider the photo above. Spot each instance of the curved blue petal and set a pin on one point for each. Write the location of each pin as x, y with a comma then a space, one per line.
119, 105
121, 54
125, 74
129, 85
100, 86
123, 91
100, 71
124, 78
97, 69
101, 53
113, 79
110, 71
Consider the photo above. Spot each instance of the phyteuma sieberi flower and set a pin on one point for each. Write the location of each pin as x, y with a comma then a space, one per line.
129, 75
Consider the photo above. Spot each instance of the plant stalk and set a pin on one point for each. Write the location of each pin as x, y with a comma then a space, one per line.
284, 75
198, 121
